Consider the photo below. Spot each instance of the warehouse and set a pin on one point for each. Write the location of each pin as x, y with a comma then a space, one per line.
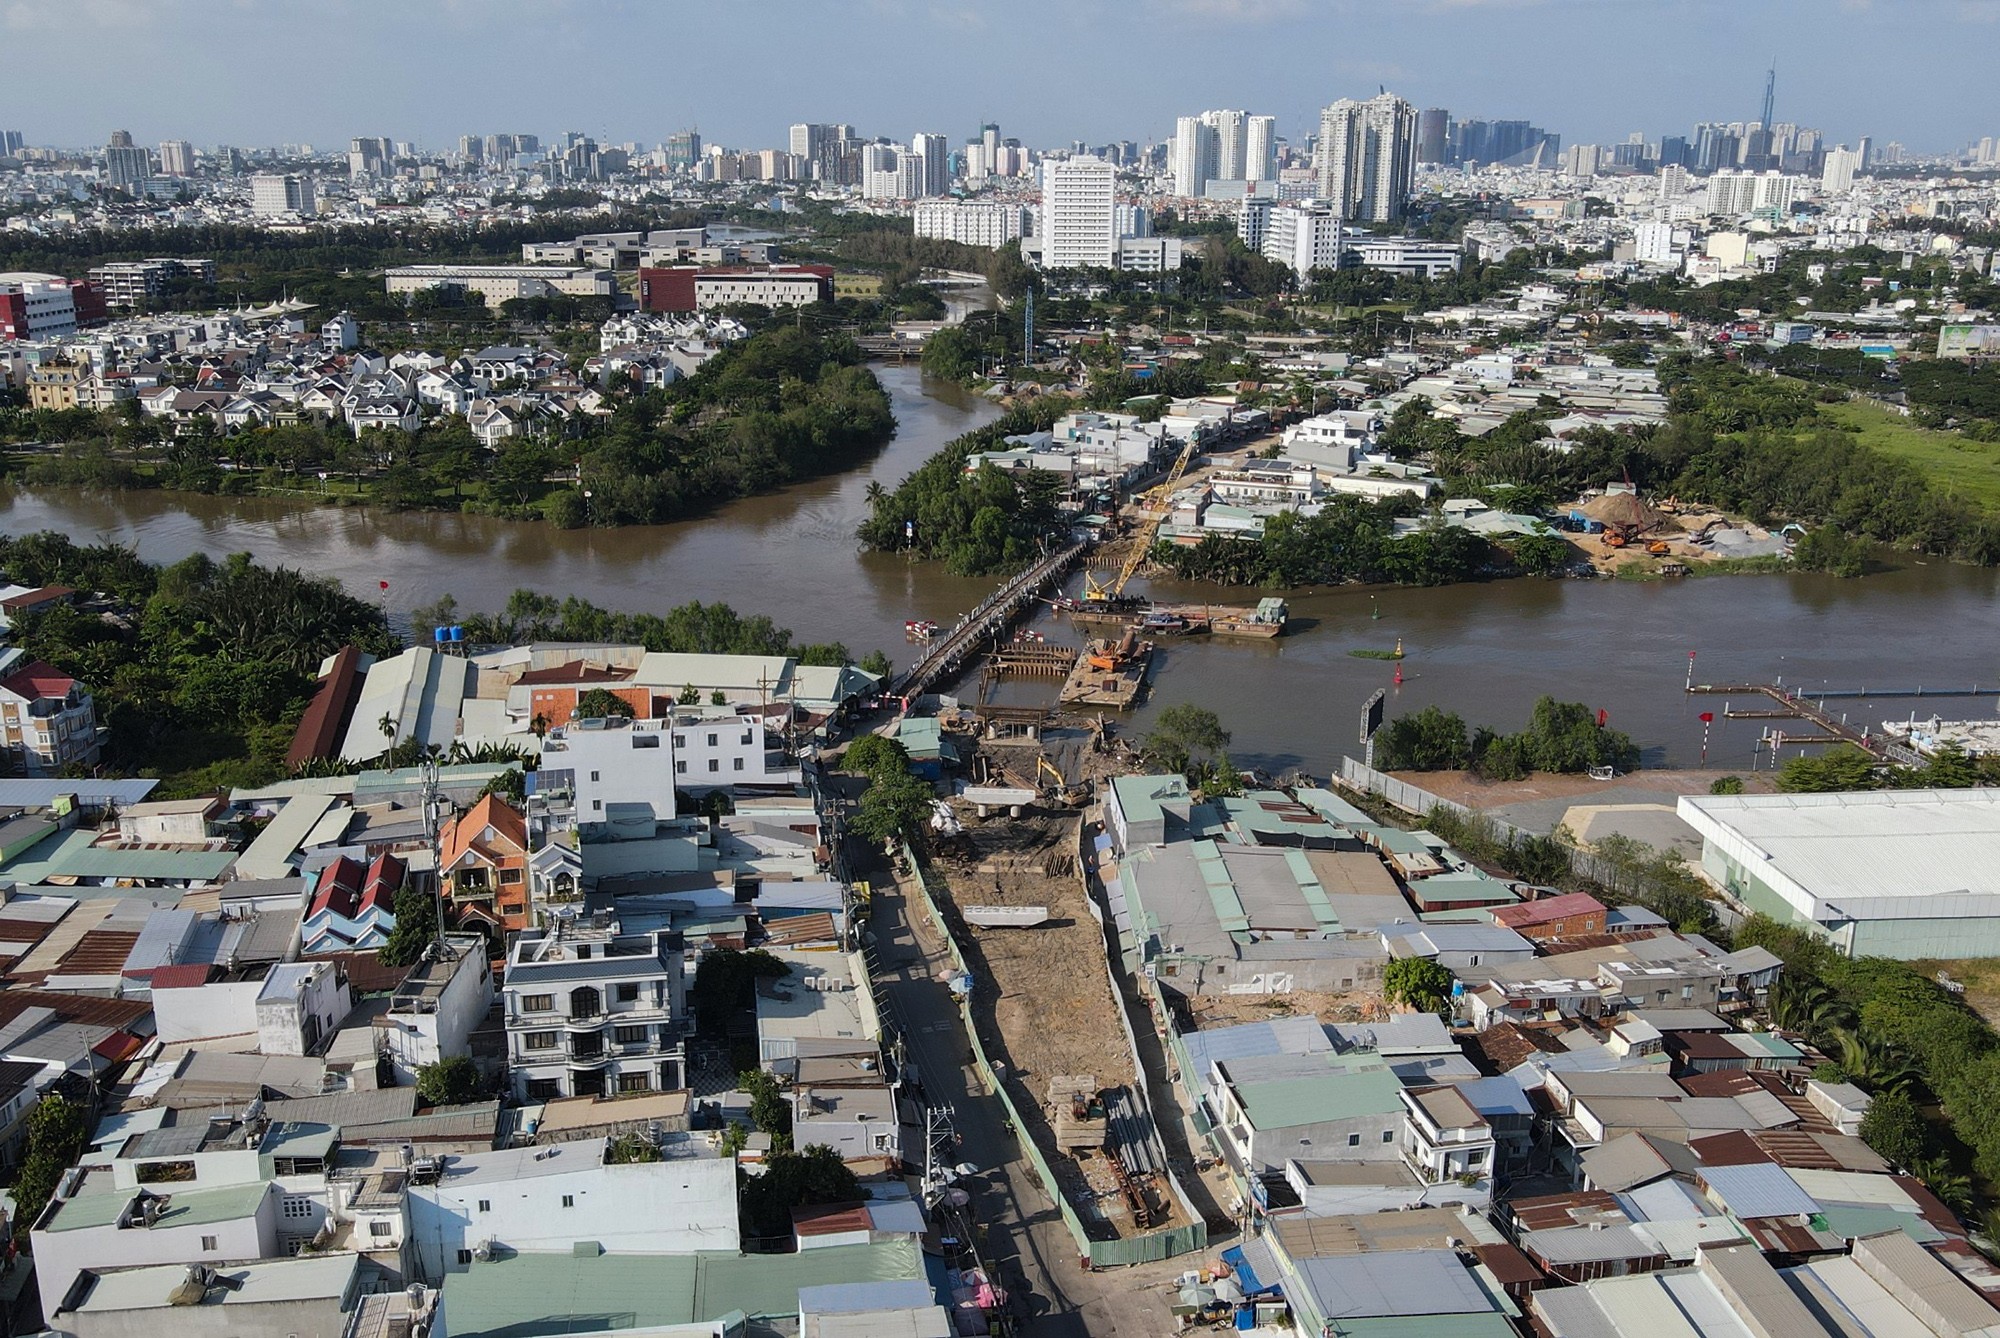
1894, 873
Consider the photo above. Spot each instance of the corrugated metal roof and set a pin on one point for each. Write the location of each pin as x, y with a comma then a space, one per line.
95, 793
1758, 1190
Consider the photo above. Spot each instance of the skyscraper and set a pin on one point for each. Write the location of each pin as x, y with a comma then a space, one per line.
11, 143
1434, 135
177, 158
933, 151
1260, 153
1079, 225
126, 166
1194, 155
1229, 145
1367, 155
683, 151
1837, 177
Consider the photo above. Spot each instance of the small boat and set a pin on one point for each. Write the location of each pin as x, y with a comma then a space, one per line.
920, 629
1164, 623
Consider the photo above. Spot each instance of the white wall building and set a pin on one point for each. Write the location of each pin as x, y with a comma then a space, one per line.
111, 1229
969, 222
275, 193
591, 1011
1305, 237
433, 1014
47, 306
1079, 214
1260, 151
548, 1198
1837, 175
1367, 157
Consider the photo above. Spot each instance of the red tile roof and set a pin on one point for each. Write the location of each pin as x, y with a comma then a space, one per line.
185, 976
327, 715
38, 680
30, 599
1547, 908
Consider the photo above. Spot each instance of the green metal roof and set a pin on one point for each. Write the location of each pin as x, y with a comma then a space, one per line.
1490, 1324
563, 1293
185, 1208
1849, 1223
1290, 1102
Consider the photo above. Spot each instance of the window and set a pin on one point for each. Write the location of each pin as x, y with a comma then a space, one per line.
486, 1205
465, 1257
628, 993
297, 1206
538, 1003
1472, 959
597, 805
381, 1229
630, 1035
209, 1244
711, 740
714, 765
680, 768
746, 738
1354, 1140
738, 764
569, 1200
593, 775
634, 1082
1388, 1135
680, 741
539, 1040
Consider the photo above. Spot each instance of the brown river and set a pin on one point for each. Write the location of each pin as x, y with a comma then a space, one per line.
1486, 650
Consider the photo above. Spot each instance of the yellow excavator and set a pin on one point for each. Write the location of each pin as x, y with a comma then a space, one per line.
1059, 788
1153, 506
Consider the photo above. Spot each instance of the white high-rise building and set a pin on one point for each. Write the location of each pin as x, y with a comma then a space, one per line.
1079, 221
177, 158
1260, 153
1653, 243
1229, 143
1367, 156
1194, 155
1837, 176
1305, 237
278, 193
934, 153
1673, 183
881, 174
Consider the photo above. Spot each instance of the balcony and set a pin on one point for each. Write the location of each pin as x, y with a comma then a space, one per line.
587, 1024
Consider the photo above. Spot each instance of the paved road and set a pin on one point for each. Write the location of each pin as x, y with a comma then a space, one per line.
1030, 1248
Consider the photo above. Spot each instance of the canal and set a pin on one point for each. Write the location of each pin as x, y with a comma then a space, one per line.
1486, 651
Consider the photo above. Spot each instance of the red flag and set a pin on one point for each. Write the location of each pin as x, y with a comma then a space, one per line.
384, 584
1603, 716
1708, 717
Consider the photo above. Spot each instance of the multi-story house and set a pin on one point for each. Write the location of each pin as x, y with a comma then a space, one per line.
593, 1011
48, 719
485, 864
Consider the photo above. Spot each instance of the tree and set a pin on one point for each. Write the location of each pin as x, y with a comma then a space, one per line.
511, 785
449, 1082
1419, 982
894, 804
723, 982
1895, 1128
632, 1149
873, 754
1844, 767
416, 927
1428, 740
1186, 738
769, 1110
690, 696
602, 704
876, 663
56, 1139
791, 1180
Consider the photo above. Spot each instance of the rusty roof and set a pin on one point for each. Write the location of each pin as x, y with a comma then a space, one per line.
1552, 1212
100, 952
84, 1008
327, 714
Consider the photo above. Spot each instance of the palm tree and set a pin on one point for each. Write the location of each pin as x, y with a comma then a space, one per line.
1874, 1064
1952, 1186
1808, 1007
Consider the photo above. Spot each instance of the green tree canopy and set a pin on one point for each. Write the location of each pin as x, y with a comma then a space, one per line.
602, 704
1419, 982
449, 1082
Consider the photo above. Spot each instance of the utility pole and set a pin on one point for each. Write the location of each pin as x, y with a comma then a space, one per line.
428, 769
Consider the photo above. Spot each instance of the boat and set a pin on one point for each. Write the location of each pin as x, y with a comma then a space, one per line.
1025, 637
920, 629
1266, 620
1163, 622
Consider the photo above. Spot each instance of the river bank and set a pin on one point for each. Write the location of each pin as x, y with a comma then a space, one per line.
1291, 702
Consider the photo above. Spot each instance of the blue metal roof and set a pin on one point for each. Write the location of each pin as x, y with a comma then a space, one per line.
41, 793
1760, 1189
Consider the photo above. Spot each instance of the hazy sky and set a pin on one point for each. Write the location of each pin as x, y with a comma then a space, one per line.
252, 72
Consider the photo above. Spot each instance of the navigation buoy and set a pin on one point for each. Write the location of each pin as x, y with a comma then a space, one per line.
1399, 675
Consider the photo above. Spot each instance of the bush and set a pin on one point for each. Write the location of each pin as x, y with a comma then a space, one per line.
1428, 740
1726, 785
449, 1082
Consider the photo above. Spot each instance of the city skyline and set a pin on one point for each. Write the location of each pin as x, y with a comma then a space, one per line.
1649, 66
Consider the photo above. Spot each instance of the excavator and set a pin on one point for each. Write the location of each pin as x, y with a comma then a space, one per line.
1152, 504
1059, 788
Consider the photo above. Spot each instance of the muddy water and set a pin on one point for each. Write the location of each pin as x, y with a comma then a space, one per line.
1486, 651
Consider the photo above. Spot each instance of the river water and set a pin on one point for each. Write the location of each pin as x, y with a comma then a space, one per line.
1486, 651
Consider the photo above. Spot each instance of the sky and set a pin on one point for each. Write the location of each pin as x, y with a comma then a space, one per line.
256, 72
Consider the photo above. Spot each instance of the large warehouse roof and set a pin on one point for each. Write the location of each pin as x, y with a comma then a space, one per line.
1863, 854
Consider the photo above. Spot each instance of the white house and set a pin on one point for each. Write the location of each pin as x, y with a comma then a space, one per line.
592, 1011
433, 1014
171, 1225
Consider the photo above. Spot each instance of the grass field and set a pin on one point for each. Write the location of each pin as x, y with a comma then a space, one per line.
1956, 465
856, 285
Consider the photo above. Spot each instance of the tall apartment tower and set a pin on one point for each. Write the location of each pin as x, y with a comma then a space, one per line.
935, 155
1194, 155
1229, 143
1260, 151
273, 193
1079, 223
1367, 156
126, 166
177, 158
1434, 135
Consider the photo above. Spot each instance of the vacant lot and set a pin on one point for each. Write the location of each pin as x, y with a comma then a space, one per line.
1957, 465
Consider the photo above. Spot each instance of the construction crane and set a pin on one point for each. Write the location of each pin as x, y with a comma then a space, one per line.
1153, 504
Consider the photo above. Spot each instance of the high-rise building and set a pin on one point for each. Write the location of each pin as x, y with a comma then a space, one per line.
11, 143
1434, 135
273, 193
1367, 155
1837, 176
126, 166
1304, 237
933, 152
1673, 183
1260, 149
1229, 143
176, 158
970, 222
472, 148
370, 155
1194, 155
1079, 221
683, 151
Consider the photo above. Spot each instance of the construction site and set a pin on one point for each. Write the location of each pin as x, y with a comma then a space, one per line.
1042, 995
